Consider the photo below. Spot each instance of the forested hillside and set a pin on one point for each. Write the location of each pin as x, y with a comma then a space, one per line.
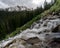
11, 21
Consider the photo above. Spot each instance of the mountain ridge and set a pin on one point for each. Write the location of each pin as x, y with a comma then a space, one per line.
16, 8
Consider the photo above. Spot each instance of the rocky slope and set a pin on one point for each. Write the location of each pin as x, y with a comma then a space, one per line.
44, 33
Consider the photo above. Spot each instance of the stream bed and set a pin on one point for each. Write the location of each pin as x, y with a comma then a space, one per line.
44, 33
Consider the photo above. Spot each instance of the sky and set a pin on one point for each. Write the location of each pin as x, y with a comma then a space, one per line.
27, 3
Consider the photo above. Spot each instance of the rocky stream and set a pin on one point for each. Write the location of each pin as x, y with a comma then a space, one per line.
44, 33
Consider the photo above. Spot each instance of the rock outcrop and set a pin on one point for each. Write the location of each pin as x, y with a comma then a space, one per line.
44, 33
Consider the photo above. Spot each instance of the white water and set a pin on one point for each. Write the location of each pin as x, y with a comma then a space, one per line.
38, 29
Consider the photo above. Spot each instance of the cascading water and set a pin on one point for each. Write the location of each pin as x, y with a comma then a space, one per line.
39, 35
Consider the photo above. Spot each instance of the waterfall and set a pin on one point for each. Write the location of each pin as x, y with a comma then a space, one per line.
39, 35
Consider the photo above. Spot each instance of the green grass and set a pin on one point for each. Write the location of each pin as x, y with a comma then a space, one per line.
54, 8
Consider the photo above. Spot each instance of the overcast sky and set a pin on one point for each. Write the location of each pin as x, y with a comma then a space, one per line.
28, 3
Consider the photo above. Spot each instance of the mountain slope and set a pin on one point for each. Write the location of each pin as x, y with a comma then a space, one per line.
53, 10
43, 33
28, 36
12, 20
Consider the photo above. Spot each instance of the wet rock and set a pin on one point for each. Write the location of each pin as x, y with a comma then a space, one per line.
16, 46
33, 40
55, 43
7, 43
37, 26
56, 29
35, 46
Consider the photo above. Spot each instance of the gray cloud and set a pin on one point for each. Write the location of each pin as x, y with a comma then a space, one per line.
3, 5
17, 2
27, 3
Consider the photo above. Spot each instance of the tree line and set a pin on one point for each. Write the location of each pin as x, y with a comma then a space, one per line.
9, 21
